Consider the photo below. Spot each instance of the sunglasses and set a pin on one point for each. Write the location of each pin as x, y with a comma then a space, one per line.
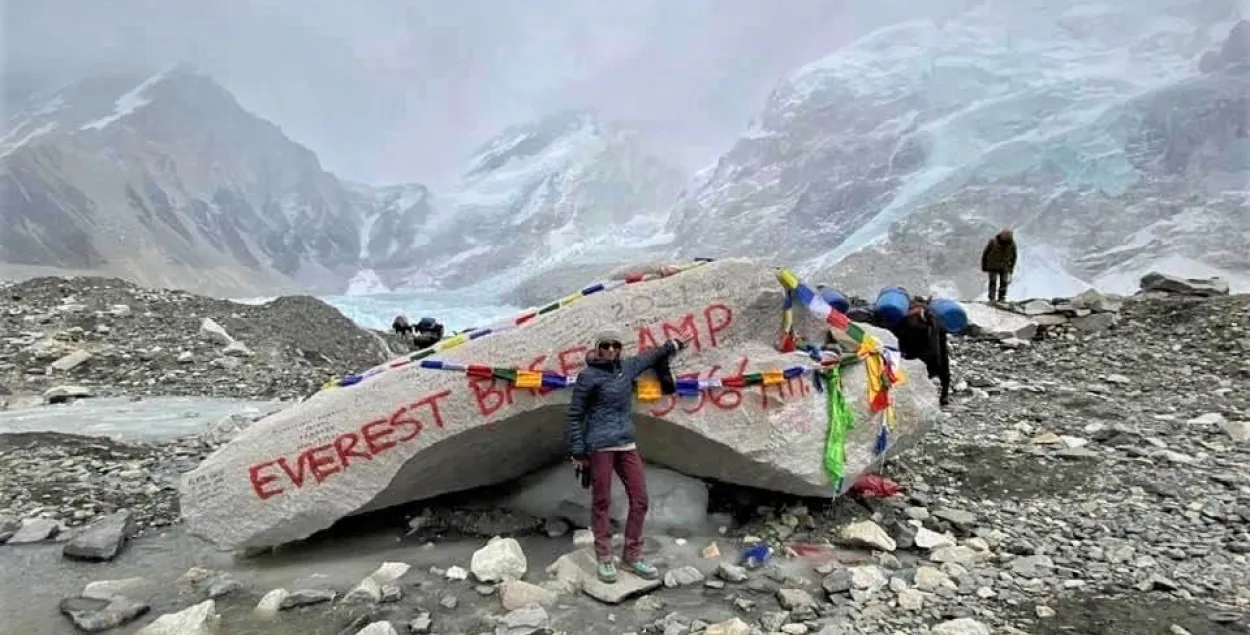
603, 346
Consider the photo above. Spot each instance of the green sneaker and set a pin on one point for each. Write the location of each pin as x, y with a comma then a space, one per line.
643, 569
607, 571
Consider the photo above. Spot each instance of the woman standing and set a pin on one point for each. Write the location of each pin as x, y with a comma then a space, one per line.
601, 438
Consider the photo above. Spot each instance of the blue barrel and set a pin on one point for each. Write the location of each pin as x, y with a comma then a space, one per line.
950, 314
835, 299
891, 305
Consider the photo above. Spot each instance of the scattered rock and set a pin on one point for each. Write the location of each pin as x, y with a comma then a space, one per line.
501, 559
35, 530
106, 589
578, 569
527, 620
306, 597
1202, 287
734, 626
93, 615
516, 594
731, 572
866, 534
961, 626
378, 628
103, 539
201, 619
682, 576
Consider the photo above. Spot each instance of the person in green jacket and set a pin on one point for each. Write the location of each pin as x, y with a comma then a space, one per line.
998, 261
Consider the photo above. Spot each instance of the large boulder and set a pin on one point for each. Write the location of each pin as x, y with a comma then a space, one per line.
410, 432
992, 322
1176, 285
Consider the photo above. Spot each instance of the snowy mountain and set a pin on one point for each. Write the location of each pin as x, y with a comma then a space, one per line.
1112, 137
563, 190
168, 181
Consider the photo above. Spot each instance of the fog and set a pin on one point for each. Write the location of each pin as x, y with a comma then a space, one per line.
395, 90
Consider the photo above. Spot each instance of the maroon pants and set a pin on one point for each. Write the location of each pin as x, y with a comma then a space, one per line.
628, 465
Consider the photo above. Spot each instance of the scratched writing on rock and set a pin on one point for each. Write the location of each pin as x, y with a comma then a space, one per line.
727, 399
644, 304
315, 464
701, 329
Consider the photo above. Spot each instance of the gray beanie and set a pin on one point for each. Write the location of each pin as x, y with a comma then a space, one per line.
609, 335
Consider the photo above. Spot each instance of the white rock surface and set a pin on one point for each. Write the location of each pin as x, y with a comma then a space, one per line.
989, 321
501, 559
201, 619
410, 433
378, 628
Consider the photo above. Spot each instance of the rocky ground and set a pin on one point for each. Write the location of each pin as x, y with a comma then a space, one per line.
1095, 479
108, 337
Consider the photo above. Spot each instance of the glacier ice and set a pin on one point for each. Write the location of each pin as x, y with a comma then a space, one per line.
1008, 87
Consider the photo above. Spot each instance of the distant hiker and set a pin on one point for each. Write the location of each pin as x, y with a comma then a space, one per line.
999, 262
920, 336
600, 432
426, 333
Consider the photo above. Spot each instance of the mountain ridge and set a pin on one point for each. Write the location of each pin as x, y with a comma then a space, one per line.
170, 181
167, 180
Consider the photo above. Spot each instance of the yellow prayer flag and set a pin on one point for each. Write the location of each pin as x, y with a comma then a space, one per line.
787, 279
649, 389
529, 379
454, 341
773, 378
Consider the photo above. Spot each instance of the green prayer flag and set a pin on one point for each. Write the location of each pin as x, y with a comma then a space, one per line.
841, 421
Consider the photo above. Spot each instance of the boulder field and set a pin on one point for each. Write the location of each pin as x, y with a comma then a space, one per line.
407, 431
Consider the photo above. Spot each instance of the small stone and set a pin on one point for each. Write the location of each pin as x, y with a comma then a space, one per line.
911, 600
102, 540
528, 620
35, 530
501, 559
731, 572
421, 624
961, 626
682, 576
96, 614
866, 534
306, 597
515, 594
793, 599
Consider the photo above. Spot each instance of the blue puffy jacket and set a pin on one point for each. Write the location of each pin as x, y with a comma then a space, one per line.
601, 408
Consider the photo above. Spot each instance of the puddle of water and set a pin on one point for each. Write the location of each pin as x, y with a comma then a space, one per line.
35, 578
150, 419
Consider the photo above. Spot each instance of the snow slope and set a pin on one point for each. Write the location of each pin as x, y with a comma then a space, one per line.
542, 195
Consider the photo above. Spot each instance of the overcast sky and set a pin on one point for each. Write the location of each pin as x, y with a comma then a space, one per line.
392, 90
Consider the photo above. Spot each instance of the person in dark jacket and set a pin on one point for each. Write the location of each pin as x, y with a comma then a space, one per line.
920, 336
600, 433
998, 261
